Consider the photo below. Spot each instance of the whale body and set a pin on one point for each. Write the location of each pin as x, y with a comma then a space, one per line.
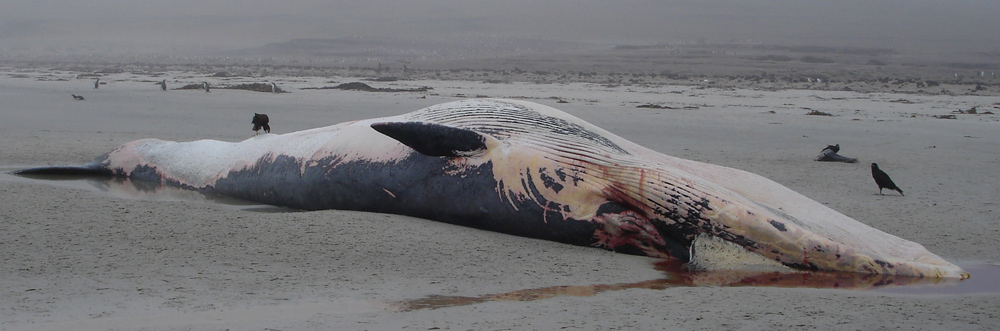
524, 169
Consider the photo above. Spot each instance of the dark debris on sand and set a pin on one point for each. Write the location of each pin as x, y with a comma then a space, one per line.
359, 86
254, 87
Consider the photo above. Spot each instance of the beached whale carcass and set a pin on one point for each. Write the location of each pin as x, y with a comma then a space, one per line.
524, 169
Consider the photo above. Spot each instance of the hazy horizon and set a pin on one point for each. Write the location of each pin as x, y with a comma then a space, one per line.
186, 26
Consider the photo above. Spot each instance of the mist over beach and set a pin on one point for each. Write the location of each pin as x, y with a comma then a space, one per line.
930, 28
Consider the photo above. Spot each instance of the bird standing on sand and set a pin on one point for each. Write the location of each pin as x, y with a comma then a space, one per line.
163, 85
260, 121
274, 87
883, 180
97, 82
205, 85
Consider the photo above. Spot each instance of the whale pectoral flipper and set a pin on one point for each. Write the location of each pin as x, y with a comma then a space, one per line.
86, 170
434, 139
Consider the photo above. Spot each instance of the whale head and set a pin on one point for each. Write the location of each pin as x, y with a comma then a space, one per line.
644, 202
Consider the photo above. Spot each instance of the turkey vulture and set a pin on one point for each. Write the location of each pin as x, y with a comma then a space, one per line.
883, 180
260, 121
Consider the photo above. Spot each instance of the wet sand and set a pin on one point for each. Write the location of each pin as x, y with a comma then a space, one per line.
74, 258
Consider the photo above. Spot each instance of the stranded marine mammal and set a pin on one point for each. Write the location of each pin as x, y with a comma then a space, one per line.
524, 169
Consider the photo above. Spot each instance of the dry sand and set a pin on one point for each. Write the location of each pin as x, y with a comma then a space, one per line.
76, 257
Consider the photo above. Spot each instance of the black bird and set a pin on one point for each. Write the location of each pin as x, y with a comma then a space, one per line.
205, 85
163, 84
834, 148
883, 180
77, 97
260, 121
97, 83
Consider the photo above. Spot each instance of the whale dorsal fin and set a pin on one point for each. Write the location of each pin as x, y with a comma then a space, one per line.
434, 139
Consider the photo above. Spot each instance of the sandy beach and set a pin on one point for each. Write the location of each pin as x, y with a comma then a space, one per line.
101, 255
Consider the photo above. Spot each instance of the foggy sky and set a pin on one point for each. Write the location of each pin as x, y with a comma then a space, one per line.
209, 25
